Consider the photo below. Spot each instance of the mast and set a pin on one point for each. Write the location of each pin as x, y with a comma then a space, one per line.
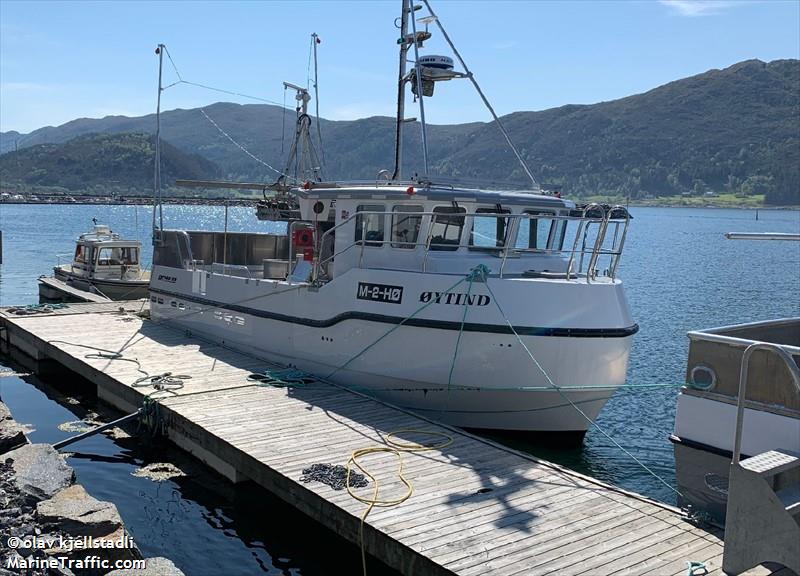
401, 90
157, 162
420, 95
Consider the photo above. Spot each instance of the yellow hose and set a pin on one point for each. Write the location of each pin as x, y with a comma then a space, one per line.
392, 447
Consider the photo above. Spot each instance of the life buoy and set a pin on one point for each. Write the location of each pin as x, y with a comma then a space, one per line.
303, 238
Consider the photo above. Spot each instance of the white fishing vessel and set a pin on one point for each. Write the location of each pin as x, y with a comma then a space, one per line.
481, 308
103, 264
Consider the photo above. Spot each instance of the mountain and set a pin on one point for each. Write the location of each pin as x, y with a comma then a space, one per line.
734, 130
106, 163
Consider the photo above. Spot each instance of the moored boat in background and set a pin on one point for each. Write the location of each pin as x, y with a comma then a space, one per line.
104, 265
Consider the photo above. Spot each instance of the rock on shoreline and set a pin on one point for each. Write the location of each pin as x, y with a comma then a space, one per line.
40, 502
11, 433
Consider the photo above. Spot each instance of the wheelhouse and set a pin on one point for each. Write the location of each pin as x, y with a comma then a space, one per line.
103, 254
416, 229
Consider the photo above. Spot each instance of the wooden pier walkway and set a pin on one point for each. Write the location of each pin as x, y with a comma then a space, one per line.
477, 507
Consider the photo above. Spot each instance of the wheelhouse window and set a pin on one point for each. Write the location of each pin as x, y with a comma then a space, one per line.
118, 256
541, 233
81, 252
370, 227
406, 222
446, 227
489, 229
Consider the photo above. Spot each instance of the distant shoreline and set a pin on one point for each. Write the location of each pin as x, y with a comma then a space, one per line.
646, 204
140, 202
148, 201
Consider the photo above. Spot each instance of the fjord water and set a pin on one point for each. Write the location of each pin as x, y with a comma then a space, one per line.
680, 274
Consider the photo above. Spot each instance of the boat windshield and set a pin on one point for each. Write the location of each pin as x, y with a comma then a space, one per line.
118, 256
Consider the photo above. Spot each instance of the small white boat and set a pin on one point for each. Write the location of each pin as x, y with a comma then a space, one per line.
103, 265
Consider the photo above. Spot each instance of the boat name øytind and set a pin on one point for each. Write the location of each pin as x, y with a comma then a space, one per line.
457, 298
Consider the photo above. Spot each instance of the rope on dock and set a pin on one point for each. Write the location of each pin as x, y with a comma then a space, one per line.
335, 476
692, 568
151, 418
31, 309
282, 378
166, 382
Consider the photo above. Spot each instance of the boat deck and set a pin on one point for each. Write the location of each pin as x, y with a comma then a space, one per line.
477, 507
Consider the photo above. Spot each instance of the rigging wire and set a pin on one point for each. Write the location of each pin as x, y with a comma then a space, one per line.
486, 102
232, 93
213, 88
174, 67
242, 148
308, 66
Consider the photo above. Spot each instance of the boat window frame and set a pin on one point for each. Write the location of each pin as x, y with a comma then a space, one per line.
381, 218
497, 210
417, 212
122, 261
533, 229
454, 209
81, 252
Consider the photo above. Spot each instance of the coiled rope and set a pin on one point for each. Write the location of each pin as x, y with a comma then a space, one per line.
150, 415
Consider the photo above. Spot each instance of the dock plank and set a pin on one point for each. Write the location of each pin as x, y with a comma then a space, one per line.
477, 507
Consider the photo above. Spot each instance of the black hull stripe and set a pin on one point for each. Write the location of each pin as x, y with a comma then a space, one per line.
418, 322
138, 284
703, 447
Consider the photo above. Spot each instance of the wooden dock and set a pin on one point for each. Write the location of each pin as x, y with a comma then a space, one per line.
477, 507
70, 293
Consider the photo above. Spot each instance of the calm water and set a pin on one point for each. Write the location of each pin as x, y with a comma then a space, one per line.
681, 274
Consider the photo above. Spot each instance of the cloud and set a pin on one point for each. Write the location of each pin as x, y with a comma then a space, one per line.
693, 8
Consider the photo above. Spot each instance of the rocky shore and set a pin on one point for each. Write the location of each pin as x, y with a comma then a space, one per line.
50, 526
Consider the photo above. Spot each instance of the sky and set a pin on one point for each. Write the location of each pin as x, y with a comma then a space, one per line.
71, 59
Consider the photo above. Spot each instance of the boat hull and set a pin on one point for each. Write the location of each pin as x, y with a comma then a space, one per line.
703, 453
112, 289
491, 382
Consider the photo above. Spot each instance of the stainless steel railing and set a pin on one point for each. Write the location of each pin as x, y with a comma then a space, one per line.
782, 352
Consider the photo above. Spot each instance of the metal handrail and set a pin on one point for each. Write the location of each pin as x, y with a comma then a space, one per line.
794, 372
583, 222
621, 246
225, 268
